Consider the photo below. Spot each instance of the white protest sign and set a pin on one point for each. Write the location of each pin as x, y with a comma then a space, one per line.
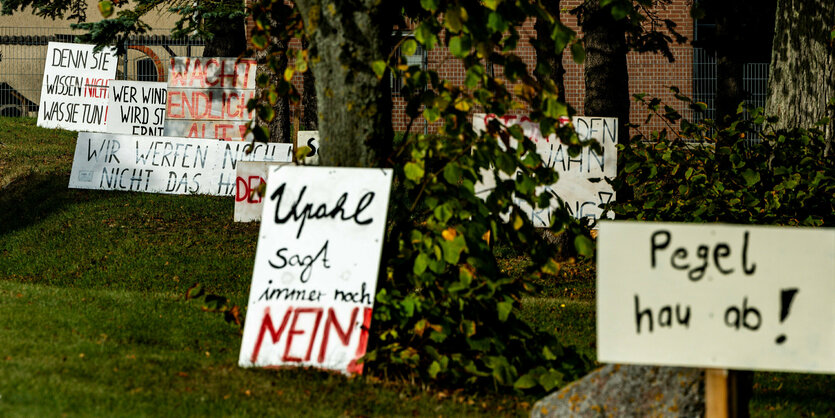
316, 267
74, 89
248, 202
207, 97
716, 296
164, 164
137, 107
309, 139
582, 185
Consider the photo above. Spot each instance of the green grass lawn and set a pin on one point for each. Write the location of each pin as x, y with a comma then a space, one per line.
94, 319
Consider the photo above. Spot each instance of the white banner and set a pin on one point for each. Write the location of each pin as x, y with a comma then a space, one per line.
164, 164
136, 107
207, 97
251, 175
316, 267
582, 185
716, 296
74, 89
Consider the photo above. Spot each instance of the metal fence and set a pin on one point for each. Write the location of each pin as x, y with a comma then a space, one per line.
23, 54
754, 84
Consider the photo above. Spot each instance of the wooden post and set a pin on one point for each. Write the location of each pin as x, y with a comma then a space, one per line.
716, 393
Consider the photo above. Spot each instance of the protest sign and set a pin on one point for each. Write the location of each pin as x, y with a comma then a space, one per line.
309, 139
582, 185
316, 267
136, 107
164, 164
251, 179
207, 97
74, 89
716, 296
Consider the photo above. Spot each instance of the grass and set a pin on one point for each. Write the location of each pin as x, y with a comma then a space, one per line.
95, 321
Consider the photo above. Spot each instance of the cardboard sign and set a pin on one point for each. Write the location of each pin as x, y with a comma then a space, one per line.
248, 202
716, 296
582, 185
136, 107
207, 97
164, 164
74, 89
309, 139
316, 266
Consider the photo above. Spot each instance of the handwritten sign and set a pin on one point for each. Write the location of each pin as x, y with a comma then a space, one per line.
316, 267
136, 107
74, 89
164, 164
716, 296
310, 139
251, 178
207, 97
582, 185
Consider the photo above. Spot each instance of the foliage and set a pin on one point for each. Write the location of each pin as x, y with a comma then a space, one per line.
445, 311
681, 174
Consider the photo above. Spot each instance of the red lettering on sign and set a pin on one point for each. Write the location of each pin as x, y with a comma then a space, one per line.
267, 325
293, 331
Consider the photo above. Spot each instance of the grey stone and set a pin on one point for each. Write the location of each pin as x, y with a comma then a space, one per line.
628, 391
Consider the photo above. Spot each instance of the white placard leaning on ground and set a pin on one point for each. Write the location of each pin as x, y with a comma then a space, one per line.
164, 164
136, 107
316, 267
74, 89
716, 296
248, 202
582, 185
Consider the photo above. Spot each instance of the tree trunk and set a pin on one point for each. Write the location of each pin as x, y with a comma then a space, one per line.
229, 38
345, 38
279, 127
546, 56
802, 71
605, 72
310, 107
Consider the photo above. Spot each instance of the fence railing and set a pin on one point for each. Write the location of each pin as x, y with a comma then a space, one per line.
23, 54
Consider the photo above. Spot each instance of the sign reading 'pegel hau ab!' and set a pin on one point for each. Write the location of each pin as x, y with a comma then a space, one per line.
164, 164
74, 89
316, 267
716, 296
207, 97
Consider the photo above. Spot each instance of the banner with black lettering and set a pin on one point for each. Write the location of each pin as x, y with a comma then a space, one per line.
74, 89
582, 184
137, 107
207, 97
165, 164
316, 267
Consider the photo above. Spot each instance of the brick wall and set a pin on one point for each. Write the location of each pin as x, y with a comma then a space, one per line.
648, 73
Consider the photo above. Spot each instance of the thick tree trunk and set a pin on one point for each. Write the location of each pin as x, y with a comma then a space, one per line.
279, 127
229, 38
546, 55
310, 107
605, 73
354, 105
802, 72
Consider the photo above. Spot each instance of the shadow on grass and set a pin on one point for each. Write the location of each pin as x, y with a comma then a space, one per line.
32, 198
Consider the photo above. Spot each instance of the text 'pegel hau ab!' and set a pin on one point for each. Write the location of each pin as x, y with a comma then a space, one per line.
316, 267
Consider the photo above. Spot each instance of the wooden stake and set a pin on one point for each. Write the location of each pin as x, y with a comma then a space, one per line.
716, 393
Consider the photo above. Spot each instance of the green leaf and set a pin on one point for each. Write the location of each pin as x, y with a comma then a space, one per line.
430, 5
434, 369
379, 68
620, 10
584, 245
525, 382
496, 22
460, 46
453, 248
258, 41
409, 47
195, 291
503, 309
421, 262
413, 171
578, 54
431, 114
551, 380
106, 8
425, 35
751, 177
452, 173
492, 4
